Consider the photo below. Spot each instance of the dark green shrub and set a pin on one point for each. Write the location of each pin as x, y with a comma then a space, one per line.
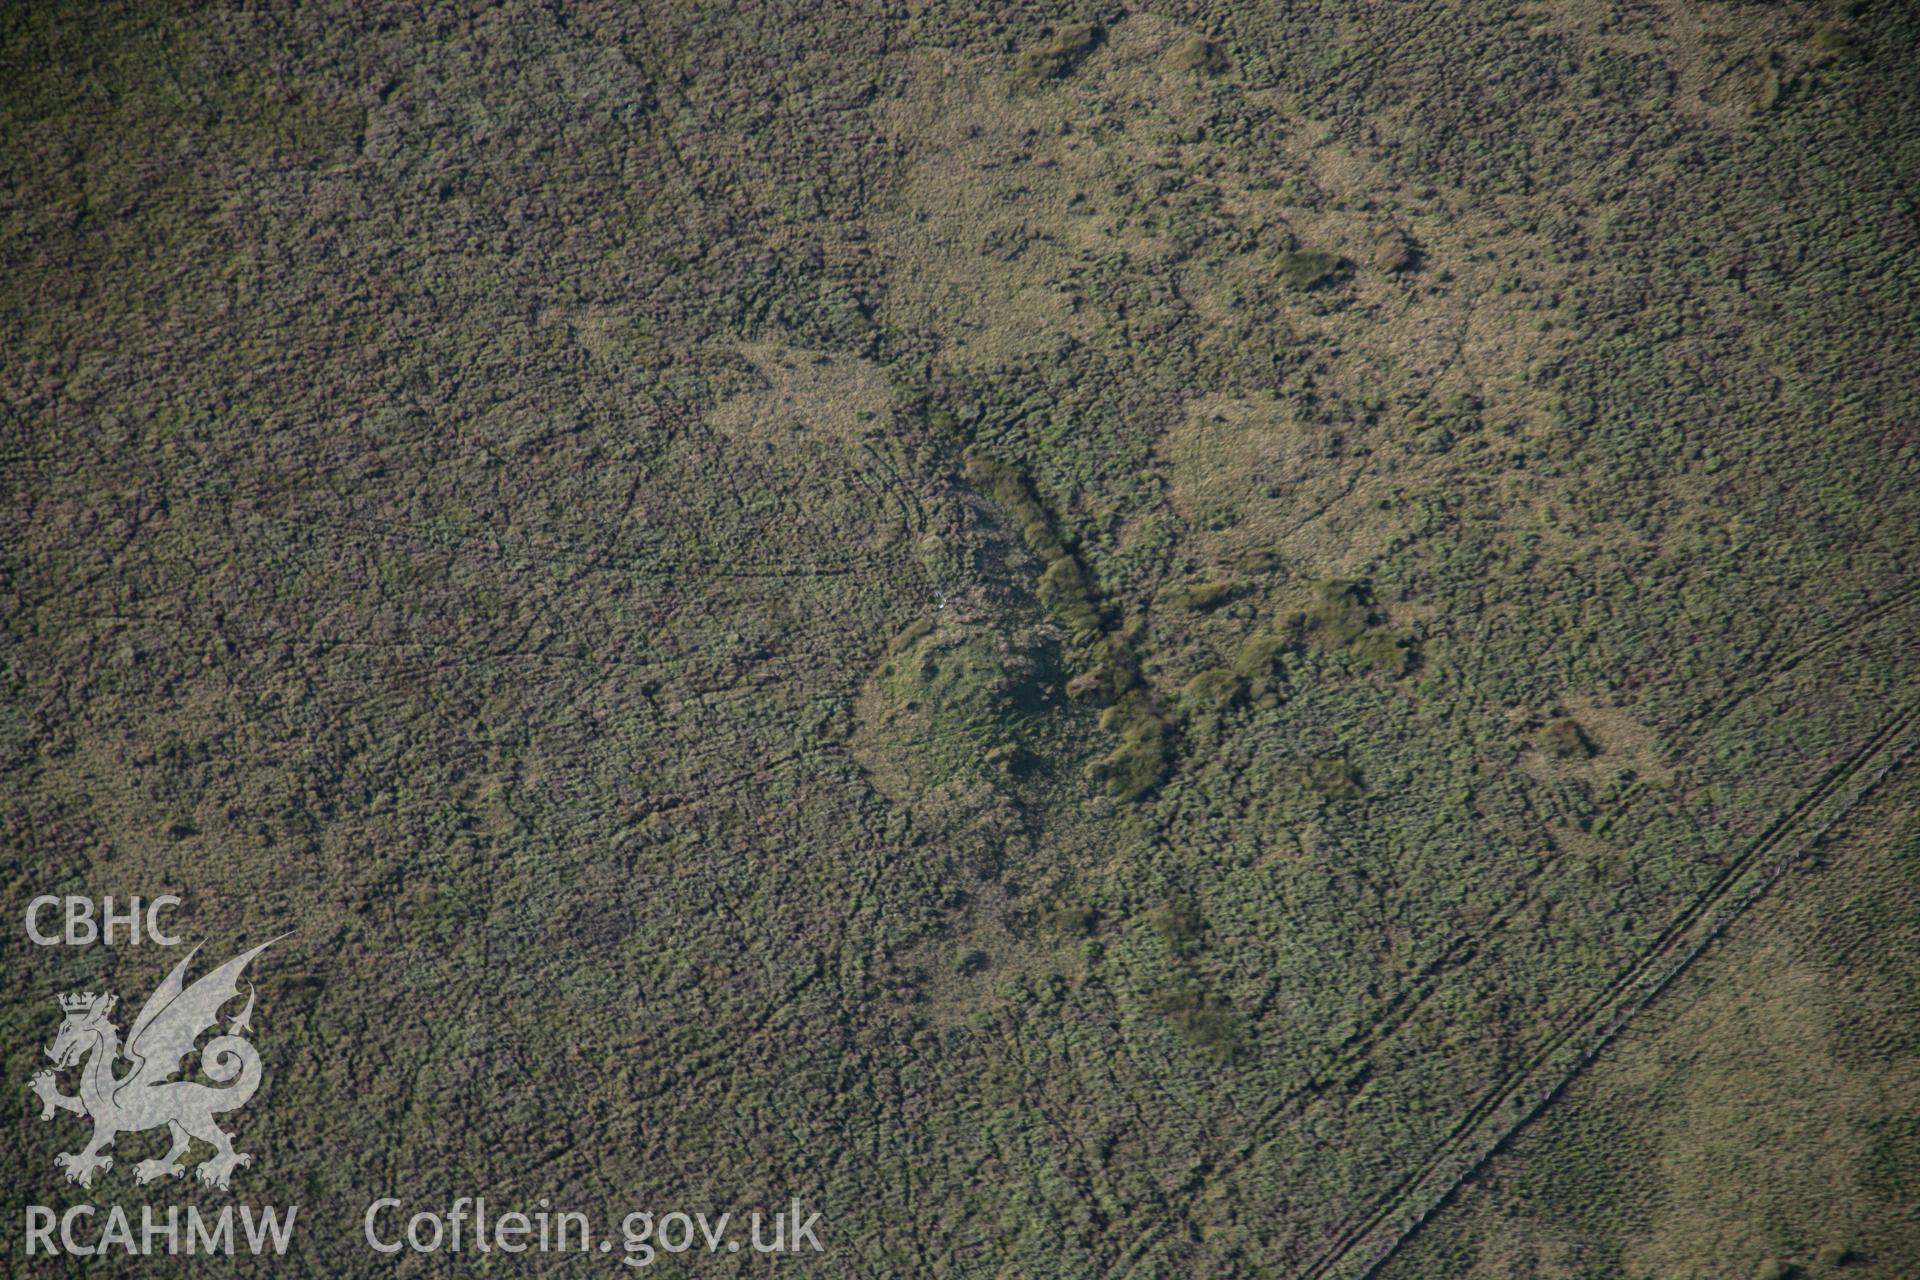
1138, 764
1108, 671
1836, 41
1067, 48
1219, 515
1133, 769
1074, 920
1179, 925
1200, 596
1007, 759
1305, 269
1564, 739
1063, 592
1392, 252
1203, 1020
1339, 612
1259, 656
1384, 651
914, 632
1008, 487
1196, 53
1334, 780
1211, 692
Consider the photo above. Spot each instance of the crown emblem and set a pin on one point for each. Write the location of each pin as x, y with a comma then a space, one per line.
165, 1034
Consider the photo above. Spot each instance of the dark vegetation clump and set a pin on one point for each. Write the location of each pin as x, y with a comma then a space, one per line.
954, 702
1205, 1021
1335, 780
1059, 55
1383, 650
1201, 1017
1075, 920
1342, 617
1836, 41
1304, 269
1393, 252
1340, 612
1201, 596
1006, 759
1180, 925
1260, 661
1139, 763
1212, 691
1007, 486
1197, 53
1107, 672
1564, 739
1064, 591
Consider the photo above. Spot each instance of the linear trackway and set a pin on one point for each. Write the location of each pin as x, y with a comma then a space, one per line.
1365, 1245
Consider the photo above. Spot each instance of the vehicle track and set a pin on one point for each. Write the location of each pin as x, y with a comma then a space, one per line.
1712, 714
1677, 947
1892, 741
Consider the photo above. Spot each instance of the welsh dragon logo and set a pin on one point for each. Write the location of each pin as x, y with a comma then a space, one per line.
163, 1036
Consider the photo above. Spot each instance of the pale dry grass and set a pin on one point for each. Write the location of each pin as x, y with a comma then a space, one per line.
1011, 194
832, 398
1279, 481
